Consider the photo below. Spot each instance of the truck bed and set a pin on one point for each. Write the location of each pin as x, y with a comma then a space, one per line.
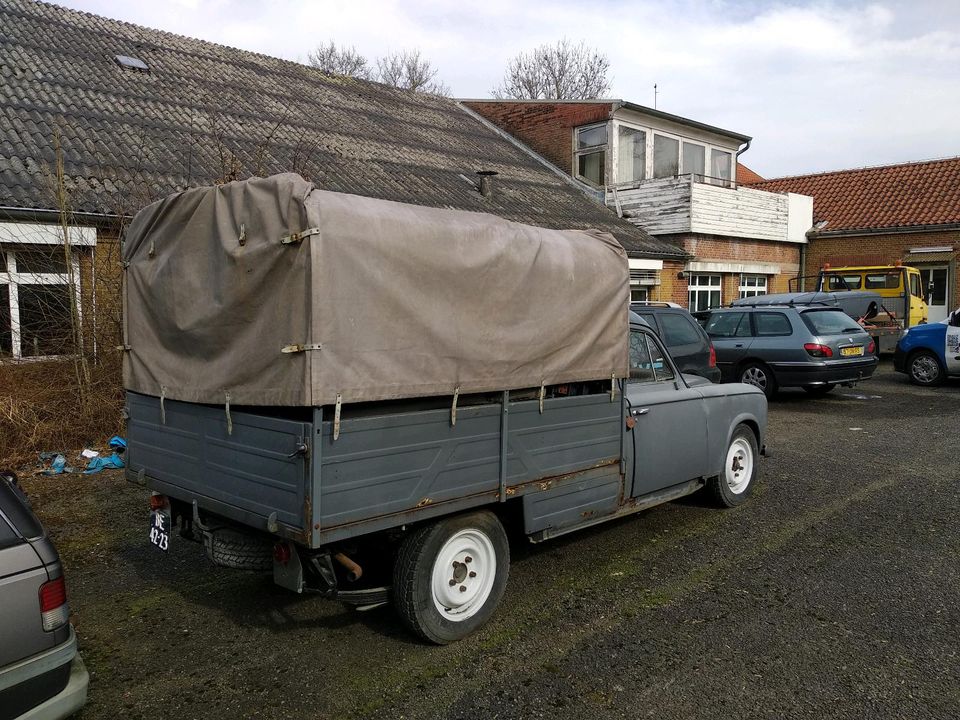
388, 467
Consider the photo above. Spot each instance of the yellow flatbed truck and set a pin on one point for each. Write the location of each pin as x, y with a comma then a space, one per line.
903, 304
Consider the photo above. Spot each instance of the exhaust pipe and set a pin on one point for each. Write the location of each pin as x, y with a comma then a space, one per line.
354, 571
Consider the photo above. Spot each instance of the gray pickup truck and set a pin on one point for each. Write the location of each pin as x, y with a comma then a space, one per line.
367, 494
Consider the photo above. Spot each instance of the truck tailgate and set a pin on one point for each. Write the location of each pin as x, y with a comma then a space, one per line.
247, 473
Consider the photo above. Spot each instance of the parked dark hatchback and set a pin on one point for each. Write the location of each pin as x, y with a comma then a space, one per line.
689, 346
41, 674
813, 347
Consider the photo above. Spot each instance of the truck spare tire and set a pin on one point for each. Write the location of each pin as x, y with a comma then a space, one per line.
237, 550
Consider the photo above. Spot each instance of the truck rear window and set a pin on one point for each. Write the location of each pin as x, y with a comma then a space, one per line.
830, 322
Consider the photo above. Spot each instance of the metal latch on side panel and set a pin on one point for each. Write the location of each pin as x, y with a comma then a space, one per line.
298, 348
297, 237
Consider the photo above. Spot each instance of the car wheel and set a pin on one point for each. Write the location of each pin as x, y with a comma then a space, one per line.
759, 375
819, 390
924, 368
449, 576
735, 482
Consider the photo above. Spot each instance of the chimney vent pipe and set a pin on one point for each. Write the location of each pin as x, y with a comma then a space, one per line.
486, 182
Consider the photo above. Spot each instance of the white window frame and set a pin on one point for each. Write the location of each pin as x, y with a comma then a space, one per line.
694, 289
613, 149
603, 147
752, 285
24, 236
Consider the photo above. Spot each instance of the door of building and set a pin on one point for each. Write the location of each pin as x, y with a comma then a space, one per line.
935, 289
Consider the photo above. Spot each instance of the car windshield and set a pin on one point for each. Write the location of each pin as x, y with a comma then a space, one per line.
830, 322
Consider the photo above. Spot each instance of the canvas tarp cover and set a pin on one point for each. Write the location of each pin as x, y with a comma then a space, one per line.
395, 300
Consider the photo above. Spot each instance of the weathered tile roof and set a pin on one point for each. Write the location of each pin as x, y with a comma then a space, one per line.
890, 196
206, 113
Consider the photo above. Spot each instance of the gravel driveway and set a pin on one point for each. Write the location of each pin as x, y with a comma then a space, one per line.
833, 593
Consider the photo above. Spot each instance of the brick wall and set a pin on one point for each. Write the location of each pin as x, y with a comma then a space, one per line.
545, 127
880, 250
718, 248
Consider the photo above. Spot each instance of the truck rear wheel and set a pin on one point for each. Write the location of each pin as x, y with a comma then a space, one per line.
449, 576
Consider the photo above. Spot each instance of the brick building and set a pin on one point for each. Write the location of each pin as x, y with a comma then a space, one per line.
678, 180
907, 213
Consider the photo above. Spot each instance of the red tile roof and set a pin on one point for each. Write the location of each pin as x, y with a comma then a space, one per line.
890, 196
746, 176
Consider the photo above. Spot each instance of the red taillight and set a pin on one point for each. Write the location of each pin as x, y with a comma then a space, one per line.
713, 356
54, 611
872, 347
158, 501
281, 553
818, 350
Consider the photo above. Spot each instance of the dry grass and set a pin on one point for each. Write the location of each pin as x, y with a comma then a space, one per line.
44, 407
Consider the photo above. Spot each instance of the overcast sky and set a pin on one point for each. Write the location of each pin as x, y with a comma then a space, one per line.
819, 85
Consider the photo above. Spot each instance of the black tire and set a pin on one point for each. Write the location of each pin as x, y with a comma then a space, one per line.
237, 550
413, 575
726, 490
924, 369
758, 375
819, 390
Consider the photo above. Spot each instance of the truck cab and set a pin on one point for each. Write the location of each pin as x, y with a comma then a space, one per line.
899, 285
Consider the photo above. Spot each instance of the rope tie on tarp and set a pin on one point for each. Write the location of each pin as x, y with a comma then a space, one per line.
227, 409
163, 409
453, 406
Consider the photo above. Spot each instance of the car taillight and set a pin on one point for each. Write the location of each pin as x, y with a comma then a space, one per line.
158, 501
54, 611
713, 356
872, 347
818, 350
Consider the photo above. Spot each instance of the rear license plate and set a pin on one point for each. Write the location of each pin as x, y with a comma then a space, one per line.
160, 529
852, 351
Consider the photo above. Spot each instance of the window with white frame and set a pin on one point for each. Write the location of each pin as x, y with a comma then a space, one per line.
666, 156
703, 292
35, 308
721, 166
753, 285
590, 155
694, 156
631, 154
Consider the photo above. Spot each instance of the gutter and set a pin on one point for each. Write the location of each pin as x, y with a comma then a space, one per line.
33, 214
897, 230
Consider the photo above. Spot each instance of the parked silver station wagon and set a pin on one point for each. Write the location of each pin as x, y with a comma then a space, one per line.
808, 346
41, 674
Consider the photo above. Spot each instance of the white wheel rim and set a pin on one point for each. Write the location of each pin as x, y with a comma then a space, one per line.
755, 376
739, 467
463, 575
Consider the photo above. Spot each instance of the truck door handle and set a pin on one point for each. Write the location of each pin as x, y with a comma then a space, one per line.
739, 345
641, 411
301, 450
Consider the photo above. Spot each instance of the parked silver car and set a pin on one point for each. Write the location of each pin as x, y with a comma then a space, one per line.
42, 676
809, 346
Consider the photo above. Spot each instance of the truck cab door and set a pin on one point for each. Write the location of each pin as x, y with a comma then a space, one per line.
669, 434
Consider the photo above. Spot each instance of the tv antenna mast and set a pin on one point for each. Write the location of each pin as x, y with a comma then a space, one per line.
655, 96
